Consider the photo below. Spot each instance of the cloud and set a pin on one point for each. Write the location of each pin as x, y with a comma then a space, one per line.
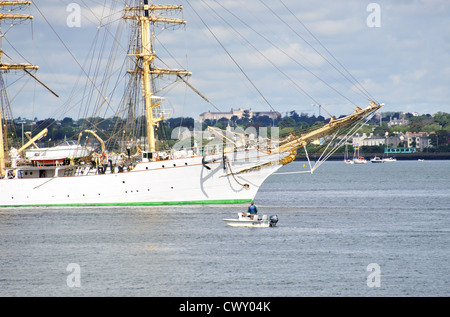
418, 8
336, 27
76, 14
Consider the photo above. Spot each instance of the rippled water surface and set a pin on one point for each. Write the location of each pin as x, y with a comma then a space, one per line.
332, 225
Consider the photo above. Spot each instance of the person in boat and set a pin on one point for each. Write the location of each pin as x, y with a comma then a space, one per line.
252, 210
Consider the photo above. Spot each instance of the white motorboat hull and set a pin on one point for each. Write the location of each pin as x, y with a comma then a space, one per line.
247, 222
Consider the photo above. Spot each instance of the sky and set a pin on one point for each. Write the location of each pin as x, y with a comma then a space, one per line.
278, 55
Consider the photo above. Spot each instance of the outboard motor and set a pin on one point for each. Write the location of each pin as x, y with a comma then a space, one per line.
273, 220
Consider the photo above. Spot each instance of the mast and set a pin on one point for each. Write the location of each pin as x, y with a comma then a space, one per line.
5, 67
331, 127
144, 14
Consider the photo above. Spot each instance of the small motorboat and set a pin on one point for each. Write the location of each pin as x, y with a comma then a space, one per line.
245, 220
376, 159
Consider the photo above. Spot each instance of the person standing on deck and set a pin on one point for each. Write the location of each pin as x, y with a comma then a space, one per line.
252, 210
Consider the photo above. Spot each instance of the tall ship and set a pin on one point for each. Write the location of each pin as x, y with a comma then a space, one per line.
229, 170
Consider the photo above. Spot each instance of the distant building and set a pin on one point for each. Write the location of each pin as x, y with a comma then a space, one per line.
397, 122
239, 113
418, 141
368, 140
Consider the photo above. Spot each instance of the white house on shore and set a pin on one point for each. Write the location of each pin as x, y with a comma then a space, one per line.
239, 113
419, 141
368, 140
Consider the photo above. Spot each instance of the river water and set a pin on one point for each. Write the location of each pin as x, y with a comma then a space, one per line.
346, 230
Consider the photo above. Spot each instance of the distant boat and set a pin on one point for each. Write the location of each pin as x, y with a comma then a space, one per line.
388, 159
377, 159
346, 159
421, 160
358, 159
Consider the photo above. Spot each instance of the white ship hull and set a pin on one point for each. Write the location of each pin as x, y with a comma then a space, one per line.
179, 181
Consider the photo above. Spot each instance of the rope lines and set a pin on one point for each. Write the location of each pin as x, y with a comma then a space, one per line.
241, 16
104, 72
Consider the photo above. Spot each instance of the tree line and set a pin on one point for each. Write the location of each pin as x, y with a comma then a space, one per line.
436, 125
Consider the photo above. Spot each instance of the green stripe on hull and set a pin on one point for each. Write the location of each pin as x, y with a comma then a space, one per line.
190, 202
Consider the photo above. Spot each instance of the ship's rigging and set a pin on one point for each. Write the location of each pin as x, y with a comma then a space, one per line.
145, 17
5, 109
141, 104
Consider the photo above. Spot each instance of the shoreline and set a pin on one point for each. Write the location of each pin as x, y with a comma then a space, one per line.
398, 156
